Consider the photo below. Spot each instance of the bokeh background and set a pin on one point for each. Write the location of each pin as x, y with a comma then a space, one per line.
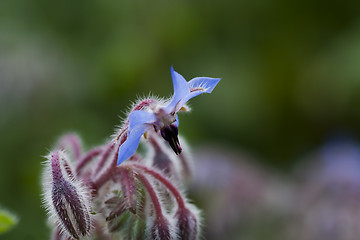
290, 79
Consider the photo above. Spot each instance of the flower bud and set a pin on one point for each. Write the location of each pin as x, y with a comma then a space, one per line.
65, 197
188, 222
161, 229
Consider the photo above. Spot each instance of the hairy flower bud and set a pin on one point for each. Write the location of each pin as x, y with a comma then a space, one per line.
65, 198
188, 222
162, 229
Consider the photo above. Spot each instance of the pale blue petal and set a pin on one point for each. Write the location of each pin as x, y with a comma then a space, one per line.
140, 117
177, 120
128, 148
198, 86
181, 89
207, 84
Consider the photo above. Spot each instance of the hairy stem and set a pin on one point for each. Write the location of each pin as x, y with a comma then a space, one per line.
104, 157
152, 194
107, 174
90, 155
73, 142
165, 182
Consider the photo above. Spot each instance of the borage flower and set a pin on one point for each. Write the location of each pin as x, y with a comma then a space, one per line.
163, 117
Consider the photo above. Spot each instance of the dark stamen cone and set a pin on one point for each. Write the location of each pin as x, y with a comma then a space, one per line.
170, 134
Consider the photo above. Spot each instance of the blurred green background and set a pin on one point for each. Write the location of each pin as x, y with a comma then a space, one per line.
290, 77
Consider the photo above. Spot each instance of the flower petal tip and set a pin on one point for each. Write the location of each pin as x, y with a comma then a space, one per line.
128, 148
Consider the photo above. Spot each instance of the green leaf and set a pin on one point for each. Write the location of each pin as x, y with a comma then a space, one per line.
7, 221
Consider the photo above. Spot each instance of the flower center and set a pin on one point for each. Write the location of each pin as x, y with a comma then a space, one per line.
168, 130
164, 119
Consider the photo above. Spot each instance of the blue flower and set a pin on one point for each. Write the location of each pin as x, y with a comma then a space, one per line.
164, 117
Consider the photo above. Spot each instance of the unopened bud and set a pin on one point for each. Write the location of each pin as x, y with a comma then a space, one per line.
188, 222
65, 197
162, 229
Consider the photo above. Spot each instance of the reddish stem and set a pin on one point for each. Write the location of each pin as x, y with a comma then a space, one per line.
123, 130
152, 194
90, 155
163, 180
104, 157
73, 141
107, 174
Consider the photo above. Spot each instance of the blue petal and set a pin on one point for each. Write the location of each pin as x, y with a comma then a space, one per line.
140, 117
198, 86
128, 148
176, 121
181, 89
208, 84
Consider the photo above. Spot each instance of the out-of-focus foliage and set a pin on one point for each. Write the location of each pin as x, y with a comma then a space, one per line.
7, 221
289, 68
